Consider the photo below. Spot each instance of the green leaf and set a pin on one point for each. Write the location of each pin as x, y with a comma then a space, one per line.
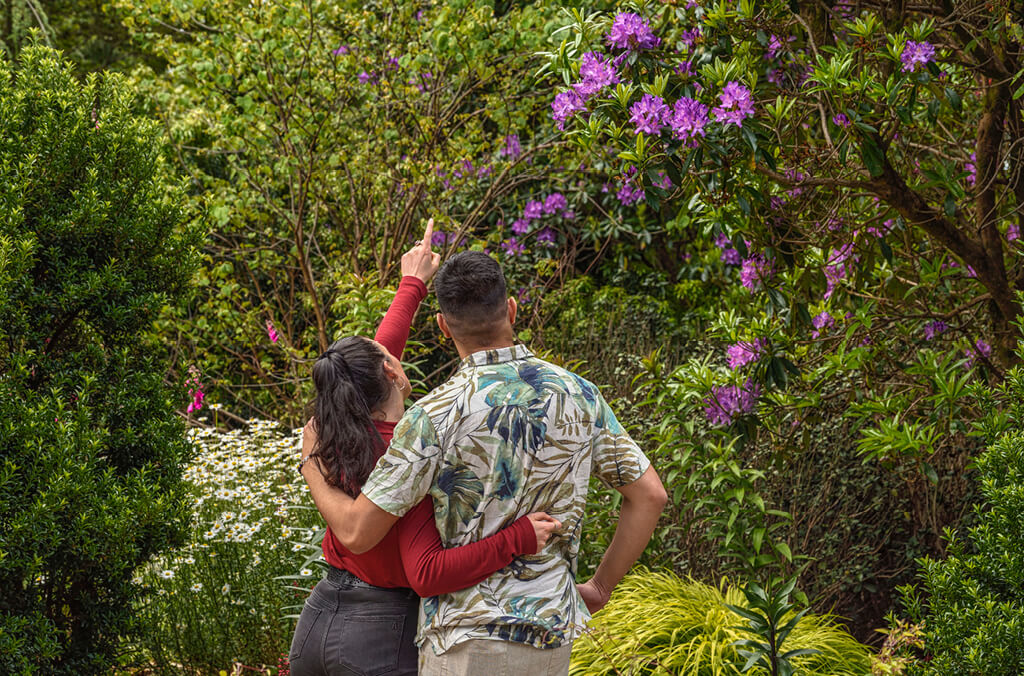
874, 158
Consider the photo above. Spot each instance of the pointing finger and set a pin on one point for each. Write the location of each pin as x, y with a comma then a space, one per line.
429, 234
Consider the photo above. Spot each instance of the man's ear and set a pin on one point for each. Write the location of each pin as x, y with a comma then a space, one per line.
443, 325
512, 307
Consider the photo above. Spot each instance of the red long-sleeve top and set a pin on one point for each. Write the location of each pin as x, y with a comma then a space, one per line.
411, 554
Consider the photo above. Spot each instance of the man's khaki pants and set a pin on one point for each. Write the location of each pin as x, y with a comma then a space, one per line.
489, 657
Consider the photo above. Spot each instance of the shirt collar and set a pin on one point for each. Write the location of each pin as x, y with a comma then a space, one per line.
499, 356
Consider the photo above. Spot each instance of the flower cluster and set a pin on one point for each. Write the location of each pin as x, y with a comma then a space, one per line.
933, 329
916, 54
821, 322
980, 349
596, 73
629, 31
512, 148
734, 104
756, 270
838, 264
650, 114
726, 403
746, 352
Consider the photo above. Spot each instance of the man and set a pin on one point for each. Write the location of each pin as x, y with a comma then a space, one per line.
508, 434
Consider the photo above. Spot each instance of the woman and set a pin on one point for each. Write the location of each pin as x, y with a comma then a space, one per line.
361, 619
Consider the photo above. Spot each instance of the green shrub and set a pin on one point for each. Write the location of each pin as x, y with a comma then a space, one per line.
90, 447
974, 615
216, 601
657, 623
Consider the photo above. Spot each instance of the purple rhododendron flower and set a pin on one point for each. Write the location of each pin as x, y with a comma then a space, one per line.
774, 47
689, 38
972, 170
915, 54
756, 270
439, 238
734, 105
746, 352
565, 105
730, 256
554, 202
596, 73
725, 403
649, 114
841, 120
933, 329
630, 31
343, 49
836, 267
512, 148
513, 247
1012, 232
546, 236
688, 119
822, 321
533, 210
979, 349
630, 194
520, 226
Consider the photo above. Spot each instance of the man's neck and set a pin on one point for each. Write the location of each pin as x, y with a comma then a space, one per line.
466, 350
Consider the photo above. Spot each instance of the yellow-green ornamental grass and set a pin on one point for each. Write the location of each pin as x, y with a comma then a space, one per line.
659, 624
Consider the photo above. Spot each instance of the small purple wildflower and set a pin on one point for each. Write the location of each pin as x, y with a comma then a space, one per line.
1012, 232
841, 120
915, 54
746, 352
735, 104
972, 170
649, 114
629, 31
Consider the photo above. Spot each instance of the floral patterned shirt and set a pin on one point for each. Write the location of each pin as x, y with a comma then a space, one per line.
507, 435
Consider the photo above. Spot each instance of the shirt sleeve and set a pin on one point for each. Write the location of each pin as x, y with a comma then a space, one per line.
617, 460
407, 470
393, 331
434, 570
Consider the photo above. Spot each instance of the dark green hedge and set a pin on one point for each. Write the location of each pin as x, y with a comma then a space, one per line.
91, 247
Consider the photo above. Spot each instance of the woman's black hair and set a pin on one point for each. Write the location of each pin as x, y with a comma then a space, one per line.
350, 383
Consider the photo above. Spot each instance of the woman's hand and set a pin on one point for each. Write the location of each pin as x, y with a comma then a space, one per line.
420, 261
543, 526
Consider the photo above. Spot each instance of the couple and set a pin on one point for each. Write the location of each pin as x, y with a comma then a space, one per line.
477, 503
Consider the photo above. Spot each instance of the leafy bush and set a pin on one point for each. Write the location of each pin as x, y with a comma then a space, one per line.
90, 251
216, 601
973, 615
657, 623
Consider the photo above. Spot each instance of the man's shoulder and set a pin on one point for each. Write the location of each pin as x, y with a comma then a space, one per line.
571, 382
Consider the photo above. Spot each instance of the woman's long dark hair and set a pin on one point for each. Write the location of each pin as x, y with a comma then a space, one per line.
350, 383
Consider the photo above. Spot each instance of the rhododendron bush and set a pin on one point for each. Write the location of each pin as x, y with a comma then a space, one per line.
855, 172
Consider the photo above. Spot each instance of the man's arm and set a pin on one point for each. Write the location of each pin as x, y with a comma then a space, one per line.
357, 523
642, 503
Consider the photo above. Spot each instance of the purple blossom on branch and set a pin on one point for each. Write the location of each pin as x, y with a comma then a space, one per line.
565, 105
629, 31
343, 49
513, 247
734, 105
688, 119
533, 210
822, 321
596, 73
979, 349
554, 202
972, 170
756, 270
630, 194
915, 54
520, 226
746, 352
725, 403
649, 114
546, 236
933, 329
512, 149
841, 120
1012, 232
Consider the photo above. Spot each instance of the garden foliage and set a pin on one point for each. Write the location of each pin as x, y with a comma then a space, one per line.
971, 604
91, 249
657, 623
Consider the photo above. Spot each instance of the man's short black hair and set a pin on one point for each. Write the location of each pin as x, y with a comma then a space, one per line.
470, 289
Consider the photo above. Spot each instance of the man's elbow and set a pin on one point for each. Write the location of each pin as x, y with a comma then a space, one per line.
352, 538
